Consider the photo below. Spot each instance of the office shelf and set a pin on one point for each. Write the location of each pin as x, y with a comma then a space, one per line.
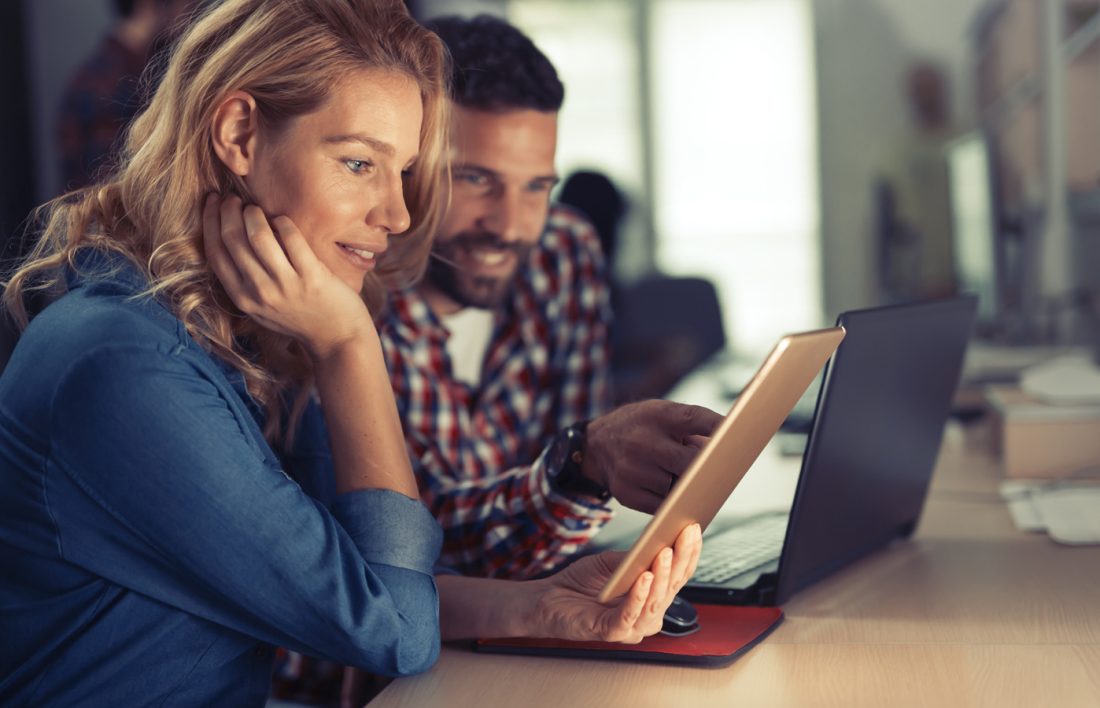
1038, 88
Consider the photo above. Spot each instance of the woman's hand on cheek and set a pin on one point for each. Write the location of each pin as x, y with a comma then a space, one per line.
270, 272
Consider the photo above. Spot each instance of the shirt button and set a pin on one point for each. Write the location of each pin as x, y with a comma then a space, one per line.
261, 652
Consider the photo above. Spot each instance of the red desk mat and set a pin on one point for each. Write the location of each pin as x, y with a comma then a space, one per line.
725, 632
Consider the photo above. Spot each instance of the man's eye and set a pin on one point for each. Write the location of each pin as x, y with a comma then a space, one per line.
357, 166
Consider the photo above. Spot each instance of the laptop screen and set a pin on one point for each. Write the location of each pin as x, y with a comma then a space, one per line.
876, 435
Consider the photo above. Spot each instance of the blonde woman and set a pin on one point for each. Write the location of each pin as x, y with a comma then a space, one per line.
154, 548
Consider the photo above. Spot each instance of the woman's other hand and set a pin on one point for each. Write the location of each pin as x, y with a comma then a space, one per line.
272, 275
567, 608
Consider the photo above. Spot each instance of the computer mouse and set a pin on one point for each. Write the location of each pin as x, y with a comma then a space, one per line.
680, 618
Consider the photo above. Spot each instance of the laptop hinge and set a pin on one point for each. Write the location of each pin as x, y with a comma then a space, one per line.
765, 589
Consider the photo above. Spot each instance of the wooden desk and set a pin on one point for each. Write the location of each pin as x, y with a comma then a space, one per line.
970, 612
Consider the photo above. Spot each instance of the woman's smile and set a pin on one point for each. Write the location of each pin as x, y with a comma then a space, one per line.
363, 257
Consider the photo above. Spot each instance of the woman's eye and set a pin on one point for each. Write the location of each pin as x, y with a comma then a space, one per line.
357, 166
472, 178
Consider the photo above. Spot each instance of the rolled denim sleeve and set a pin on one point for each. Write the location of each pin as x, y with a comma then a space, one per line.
390, 528
157, 481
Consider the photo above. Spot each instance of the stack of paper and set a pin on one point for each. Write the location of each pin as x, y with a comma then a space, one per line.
1067, 510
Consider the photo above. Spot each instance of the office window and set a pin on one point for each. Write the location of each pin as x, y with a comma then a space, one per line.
592, 46
732, 140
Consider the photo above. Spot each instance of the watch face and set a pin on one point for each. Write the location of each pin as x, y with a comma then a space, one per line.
563, 465
574, 445
558, 454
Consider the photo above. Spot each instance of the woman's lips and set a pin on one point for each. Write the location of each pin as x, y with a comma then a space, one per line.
362, 257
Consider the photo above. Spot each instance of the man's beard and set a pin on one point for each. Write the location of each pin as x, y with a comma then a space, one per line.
467, 289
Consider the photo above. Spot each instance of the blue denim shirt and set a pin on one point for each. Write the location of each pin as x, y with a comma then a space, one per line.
152, 549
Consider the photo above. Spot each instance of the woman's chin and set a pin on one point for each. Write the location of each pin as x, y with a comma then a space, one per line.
357, 283
354, 278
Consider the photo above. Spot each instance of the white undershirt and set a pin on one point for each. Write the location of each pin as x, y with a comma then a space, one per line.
470, 328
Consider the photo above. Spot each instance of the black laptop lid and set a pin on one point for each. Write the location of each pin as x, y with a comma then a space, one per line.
876, 435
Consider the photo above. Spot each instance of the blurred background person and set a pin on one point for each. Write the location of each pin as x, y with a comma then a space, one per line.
595, 195
913, 194
105, 92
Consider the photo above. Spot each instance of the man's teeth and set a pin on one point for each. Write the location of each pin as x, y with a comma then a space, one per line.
490, 258
360, 252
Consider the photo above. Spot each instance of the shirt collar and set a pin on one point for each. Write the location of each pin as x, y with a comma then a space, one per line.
101, 267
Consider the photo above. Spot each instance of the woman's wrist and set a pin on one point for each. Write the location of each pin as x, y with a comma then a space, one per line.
534, 619
478, 608
515, 611
336, 349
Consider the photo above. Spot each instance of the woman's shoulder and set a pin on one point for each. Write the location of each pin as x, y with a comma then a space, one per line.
88, 318
100, 313
65, 339
86, 337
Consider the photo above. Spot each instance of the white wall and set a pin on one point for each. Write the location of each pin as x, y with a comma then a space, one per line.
863, 48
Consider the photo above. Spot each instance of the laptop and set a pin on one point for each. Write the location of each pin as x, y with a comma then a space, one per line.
875, 437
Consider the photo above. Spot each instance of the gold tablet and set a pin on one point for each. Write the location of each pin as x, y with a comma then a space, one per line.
722, 463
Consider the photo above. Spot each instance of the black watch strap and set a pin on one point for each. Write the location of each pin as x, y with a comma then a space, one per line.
564, 460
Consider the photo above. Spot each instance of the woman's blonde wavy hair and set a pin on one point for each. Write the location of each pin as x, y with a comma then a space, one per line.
288, 54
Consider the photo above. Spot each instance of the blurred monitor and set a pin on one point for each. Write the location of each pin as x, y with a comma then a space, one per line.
974, 221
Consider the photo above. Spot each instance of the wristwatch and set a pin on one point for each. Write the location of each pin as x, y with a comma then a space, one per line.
563, 464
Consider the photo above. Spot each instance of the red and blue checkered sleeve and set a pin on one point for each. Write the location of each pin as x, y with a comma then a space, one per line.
510, 525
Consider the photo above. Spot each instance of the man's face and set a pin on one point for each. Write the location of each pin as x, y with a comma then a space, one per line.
502, 174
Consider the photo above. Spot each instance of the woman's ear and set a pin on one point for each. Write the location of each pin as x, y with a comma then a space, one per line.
234, 132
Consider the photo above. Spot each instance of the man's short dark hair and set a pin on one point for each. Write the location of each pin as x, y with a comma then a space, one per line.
496, 67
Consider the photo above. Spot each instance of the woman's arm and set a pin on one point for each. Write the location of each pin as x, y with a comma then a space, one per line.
564, 606
280, 283
159, 481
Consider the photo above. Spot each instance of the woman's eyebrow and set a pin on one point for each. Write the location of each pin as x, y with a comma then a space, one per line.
375, 143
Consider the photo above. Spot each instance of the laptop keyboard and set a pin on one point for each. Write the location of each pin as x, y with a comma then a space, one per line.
740, 548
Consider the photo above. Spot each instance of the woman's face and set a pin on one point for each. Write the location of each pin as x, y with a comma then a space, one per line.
338, 172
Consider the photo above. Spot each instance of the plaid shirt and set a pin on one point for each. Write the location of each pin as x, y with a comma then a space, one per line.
479, 452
